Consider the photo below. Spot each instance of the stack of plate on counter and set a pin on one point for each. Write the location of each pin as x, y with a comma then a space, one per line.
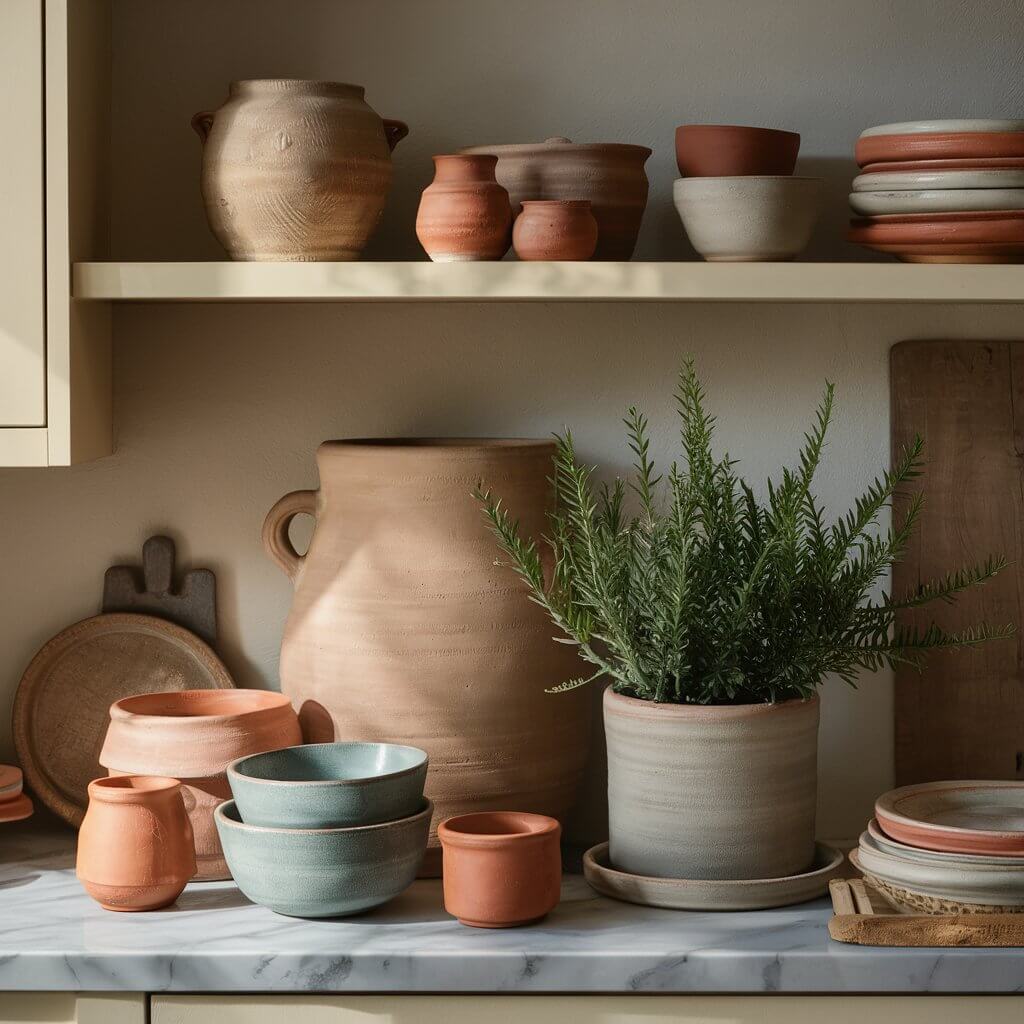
947, 848
941, 191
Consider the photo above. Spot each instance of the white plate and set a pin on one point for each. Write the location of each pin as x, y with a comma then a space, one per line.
886, 844
952, 125
900, 181
967, 883
945, 200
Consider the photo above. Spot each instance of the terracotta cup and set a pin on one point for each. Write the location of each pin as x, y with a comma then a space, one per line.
501, 868
555, 229
464, 213
193, 735
135, 848
724, 150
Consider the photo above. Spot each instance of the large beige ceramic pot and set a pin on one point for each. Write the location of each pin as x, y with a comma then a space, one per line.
295, 170
711, 792
610, 174
404, 629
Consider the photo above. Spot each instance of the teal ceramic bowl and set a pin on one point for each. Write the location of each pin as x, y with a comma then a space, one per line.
329, 785
328, 872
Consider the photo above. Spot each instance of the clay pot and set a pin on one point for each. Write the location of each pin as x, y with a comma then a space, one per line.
295, 170
706, 792
610, 175
464, 213
501, 869
720, 150
193, 735
555, 229
404, 630
135, 845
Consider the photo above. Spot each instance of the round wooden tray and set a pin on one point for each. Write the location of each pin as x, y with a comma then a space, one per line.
62, 706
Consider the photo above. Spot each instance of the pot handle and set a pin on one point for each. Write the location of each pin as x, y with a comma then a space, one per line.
275, 529
394, 131
202, 123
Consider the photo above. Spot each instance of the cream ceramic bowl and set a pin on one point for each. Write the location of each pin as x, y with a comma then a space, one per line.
748, 219
937, 200
903, 181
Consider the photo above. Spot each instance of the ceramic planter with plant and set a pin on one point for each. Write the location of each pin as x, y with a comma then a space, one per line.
716, 613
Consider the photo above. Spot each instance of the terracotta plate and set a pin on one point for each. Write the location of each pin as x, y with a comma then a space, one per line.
17, 809
62, 706
939, 217
705, 894
938, 146
897, 849
977, 164
918, 232
956, 817
952, 252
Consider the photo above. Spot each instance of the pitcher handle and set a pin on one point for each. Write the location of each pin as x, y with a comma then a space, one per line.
394, 131
202, 123
275, 529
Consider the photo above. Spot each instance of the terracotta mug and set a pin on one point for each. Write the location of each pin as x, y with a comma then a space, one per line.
555, 229
501, 868
135, 848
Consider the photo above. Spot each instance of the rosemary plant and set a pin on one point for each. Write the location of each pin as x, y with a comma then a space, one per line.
704, 594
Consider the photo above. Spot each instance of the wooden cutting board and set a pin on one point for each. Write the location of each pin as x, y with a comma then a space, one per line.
963, 717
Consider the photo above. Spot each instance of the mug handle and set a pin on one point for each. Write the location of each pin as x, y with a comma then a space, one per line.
202, 123
275, 529
394, 131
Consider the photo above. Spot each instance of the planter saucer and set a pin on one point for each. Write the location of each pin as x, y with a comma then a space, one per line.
17, 809
711, 894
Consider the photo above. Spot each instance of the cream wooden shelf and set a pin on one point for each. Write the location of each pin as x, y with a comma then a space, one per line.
512, 281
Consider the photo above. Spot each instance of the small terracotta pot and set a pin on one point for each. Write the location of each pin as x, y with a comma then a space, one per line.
555, 229
464, 213
723, 150
501, 868
135, 849
193, 735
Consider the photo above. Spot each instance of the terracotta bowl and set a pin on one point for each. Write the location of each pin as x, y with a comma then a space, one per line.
720, 150
938, 146
501, 868
193, 735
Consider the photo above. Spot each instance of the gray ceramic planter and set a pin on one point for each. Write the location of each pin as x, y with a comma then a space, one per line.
700, 792
329, 785
323, 872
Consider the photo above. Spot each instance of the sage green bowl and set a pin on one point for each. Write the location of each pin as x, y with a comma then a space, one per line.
329, 872
329, 785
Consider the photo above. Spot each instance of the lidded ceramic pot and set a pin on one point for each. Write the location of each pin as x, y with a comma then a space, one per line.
555, 229
611, 175
294, 169
135, 847
502, 869
404, 630
193, 735
464, 213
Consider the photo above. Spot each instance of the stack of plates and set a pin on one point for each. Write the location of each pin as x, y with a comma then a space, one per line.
947, 847
14, 804
941, 191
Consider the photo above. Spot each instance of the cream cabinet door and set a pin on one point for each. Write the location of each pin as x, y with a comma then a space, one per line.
22, 263
71, 1008
612, 1009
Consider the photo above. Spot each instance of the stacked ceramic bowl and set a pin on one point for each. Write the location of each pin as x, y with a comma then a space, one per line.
941, 191
14, 804
738, 198
326, 829
947, 848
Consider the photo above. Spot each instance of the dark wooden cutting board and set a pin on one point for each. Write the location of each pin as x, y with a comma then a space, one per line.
963, 717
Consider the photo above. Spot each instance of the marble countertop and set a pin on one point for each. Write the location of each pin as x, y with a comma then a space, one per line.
52, 937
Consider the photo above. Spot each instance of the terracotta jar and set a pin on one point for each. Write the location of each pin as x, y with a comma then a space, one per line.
464, 213
708, 792
611, 175
501, 869
193, 735
404, 630
295, 170
135, 844
724, 150
555, 229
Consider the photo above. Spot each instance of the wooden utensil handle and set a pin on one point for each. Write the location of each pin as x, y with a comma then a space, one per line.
275, 529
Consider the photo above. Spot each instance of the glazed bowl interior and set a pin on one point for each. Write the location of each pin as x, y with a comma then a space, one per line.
331, 763
200, 703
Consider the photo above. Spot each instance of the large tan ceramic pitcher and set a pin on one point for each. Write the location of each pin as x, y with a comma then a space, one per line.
404, 629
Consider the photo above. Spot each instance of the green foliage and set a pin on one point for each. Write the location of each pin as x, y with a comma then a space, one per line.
706, 595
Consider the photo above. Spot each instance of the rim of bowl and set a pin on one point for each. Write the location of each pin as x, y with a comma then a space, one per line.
266, 700
234, 769
448, 830
737, 128
749, 177
377, 445
427, 810
557, 144
128, 785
